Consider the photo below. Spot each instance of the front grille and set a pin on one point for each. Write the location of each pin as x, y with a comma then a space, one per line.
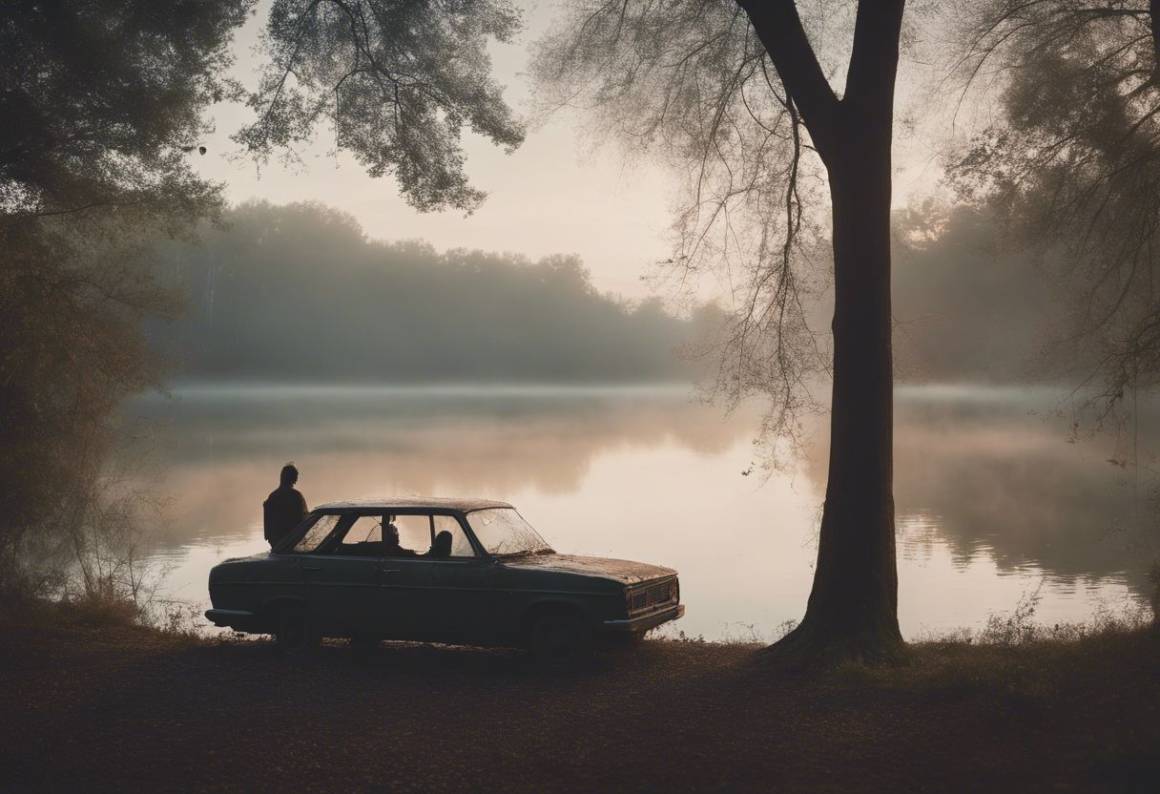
652, 596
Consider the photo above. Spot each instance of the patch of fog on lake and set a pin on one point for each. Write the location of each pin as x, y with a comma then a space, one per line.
993, 501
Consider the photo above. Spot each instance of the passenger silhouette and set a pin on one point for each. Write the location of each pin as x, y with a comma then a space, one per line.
284, 508
391, 547
441, 548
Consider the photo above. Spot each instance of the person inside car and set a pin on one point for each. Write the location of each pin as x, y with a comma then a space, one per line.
441, 548
391, 547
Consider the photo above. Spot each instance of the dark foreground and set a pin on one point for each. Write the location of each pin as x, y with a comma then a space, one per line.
122, 708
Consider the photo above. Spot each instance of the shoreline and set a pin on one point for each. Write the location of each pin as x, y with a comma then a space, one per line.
119, 706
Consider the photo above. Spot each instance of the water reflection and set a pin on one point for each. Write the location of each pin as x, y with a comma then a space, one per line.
211, 449
991, 497
1002, 477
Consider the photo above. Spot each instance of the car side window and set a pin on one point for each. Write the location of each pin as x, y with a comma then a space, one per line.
432, 536
414, 532
460, 545
318, 532
363, 538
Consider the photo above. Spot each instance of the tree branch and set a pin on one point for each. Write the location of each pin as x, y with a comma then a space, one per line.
874, 60
779, 28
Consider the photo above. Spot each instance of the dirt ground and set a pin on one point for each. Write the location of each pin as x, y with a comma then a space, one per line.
128, 709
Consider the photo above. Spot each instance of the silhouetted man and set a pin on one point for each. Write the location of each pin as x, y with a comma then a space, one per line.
284, 508
391, 547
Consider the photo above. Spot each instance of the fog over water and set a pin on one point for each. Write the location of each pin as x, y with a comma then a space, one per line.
993, 501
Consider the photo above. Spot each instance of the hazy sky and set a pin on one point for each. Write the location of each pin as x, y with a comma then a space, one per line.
558, 193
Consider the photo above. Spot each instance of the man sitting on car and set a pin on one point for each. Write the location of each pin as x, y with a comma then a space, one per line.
284, 508
391, 547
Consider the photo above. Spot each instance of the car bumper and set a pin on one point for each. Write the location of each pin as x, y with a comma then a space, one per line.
643, 623
232, 618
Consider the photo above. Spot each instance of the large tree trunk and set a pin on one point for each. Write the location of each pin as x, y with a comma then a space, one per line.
852, 611
853, 608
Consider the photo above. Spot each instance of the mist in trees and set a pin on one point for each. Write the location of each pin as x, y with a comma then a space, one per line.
968, 307
299, 293
1071, 163
104, 104
100, 103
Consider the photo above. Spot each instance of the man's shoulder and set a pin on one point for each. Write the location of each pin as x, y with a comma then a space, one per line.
282, 494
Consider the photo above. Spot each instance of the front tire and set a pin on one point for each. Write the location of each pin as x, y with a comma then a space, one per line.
558, 638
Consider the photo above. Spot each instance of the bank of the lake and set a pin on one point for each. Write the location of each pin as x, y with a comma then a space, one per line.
126, 708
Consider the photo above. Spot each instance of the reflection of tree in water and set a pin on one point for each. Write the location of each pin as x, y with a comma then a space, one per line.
1000, 477
214, 453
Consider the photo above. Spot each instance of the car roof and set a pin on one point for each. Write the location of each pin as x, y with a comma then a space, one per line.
461, 504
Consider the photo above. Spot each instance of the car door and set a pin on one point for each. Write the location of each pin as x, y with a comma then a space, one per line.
341, 579
438, 597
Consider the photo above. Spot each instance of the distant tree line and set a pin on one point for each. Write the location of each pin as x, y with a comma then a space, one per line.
299, 292
969, 307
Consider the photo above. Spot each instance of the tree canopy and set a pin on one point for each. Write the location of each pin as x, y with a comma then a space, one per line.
397, 81
1073, 161
104, 106
103, 100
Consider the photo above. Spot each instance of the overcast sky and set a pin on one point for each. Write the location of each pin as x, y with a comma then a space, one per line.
558, 193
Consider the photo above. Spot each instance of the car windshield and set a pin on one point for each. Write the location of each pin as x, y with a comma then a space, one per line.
504, 533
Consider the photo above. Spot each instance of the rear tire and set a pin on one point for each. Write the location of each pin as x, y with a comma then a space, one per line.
559, 638
295, 636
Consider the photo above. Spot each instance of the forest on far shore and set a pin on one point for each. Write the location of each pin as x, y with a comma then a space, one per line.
300, 292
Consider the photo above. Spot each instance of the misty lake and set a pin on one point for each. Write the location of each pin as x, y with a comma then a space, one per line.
994, 501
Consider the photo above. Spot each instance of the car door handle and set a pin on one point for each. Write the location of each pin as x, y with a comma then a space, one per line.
312, 567
388, 570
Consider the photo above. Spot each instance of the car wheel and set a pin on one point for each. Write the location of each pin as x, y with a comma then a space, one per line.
295, 636
559, 637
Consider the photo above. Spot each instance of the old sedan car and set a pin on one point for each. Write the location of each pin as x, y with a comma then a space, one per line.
465, 571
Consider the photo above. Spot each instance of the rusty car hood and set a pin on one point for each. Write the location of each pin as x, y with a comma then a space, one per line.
624, 571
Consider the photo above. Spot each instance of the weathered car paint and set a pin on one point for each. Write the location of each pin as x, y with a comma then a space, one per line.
625, 572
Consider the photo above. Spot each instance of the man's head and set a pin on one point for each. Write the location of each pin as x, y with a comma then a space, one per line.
289, 475
390, 533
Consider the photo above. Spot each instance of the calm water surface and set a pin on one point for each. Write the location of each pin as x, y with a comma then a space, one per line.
994, 503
